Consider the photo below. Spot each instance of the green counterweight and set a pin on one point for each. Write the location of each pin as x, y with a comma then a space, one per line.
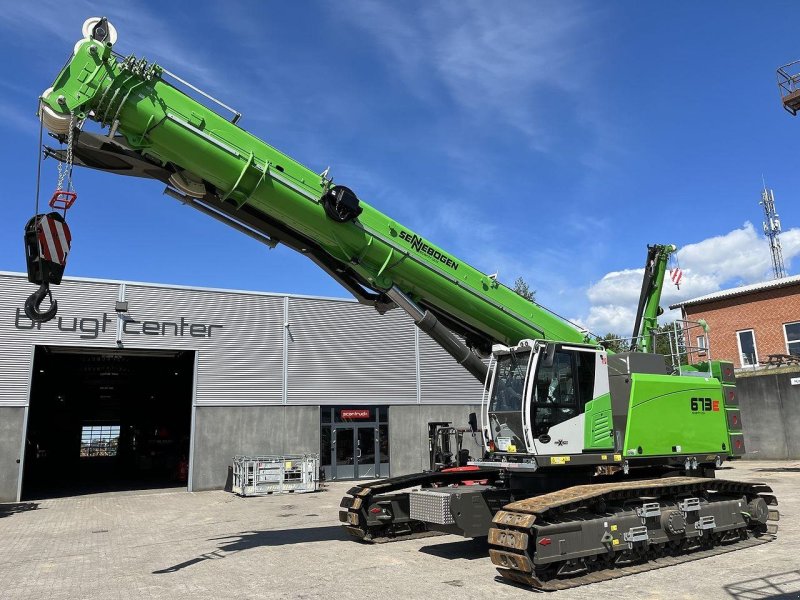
171, 128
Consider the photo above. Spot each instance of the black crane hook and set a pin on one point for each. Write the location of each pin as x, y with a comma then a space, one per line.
34, 301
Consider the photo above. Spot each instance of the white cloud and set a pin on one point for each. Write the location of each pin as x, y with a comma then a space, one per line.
739, 257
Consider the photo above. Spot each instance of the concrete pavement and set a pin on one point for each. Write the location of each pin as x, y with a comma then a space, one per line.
173, 544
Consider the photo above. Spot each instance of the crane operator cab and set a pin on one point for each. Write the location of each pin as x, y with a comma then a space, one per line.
541, 399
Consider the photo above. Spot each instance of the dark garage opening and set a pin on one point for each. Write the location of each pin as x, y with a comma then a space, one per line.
104, 419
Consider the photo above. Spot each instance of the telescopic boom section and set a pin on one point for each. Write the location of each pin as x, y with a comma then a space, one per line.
648, 311
207, 153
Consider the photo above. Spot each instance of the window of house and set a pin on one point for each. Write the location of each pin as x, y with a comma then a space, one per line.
792, 333
747, 347
701, 342
99, 440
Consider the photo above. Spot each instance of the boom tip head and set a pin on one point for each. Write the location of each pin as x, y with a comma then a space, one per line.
100, 29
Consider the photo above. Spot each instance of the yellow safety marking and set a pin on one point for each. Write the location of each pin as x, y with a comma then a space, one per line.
604, 456
615, 542
613, 528
618, 457
559, 460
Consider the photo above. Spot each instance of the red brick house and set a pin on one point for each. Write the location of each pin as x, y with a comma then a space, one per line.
748, 324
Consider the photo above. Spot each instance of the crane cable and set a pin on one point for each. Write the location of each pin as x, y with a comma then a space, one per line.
39, 161
38, 222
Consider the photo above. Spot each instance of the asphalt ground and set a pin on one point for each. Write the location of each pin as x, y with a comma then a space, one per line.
174, 544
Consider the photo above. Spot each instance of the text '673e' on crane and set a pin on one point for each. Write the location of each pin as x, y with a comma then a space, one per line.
594, 465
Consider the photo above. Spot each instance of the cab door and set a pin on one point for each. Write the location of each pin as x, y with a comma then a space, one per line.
559, 392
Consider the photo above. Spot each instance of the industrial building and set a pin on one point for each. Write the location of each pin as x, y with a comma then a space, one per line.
751, 325
143, 385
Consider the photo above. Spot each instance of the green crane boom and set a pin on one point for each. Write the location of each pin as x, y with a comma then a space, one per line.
205, 152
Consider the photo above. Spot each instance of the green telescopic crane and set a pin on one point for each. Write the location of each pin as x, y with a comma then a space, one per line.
210, 162
590, 460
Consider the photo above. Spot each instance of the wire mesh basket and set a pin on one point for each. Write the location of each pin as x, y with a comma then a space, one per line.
262, 475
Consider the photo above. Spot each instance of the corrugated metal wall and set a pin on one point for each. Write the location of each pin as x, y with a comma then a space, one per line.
442, 380
346, 353
80, 307
335, 351
239, 339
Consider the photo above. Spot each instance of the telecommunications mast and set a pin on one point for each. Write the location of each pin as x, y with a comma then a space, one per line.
772, 229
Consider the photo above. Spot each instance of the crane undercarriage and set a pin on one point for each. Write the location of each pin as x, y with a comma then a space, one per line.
552, 539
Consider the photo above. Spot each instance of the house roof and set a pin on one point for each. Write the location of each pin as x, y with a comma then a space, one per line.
740, 291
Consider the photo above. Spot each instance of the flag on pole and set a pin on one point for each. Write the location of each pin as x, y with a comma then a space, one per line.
676, 275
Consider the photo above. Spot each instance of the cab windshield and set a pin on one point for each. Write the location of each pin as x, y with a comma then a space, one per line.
505, 405
509, 383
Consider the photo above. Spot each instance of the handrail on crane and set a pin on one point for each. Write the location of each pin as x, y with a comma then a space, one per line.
789, 86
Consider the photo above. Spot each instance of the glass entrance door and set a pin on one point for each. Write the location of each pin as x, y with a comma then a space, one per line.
366, 457
351, 448
344, 453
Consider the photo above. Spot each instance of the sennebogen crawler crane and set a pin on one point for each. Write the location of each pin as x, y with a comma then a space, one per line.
595, 464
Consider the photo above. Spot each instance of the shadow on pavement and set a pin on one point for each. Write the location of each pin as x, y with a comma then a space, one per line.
99, 487
781, 586
779, 470
12, 508
257, 539
471, 549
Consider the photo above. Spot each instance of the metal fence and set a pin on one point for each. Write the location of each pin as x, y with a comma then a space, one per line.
261, 475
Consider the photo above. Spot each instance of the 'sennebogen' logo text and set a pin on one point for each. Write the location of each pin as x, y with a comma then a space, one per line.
419, 245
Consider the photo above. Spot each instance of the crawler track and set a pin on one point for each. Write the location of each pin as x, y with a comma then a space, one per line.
631, 527
394, 524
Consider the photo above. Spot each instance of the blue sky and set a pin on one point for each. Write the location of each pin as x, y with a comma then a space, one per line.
548, 140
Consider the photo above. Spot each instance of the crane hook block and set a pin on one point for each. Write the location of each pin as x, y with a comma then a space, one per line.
47, 243
33, 305
341, 204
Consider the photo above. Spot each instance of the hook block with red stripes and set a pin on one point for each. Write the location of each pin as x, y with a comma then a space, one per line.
47, 244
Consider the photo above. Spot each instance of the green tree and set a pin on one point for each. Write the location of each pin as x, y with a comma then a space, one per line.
522, 288
612, 341
669, 339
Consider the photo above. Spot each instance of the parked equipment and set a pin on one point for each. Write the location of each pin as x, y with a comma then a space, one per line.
263, 475
594, 464
446, 445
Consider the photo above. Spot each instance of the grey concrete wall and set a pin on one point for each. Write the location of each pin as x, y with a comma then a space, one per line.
770, 407
12, 423
408, 433
221, 432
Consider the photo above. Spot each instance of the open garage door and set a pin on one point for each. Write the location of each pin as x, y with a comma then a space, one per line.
104, 419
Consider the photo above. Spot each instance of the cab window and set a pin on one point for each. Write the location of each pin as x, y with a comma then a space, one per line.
562, 389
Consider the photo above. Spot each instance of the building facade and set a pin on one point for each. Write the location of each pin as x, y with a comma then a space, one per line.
146, 382
749, 325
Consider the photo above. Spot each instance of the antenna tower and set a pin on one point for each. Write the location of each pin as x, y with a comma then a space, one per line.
772, 229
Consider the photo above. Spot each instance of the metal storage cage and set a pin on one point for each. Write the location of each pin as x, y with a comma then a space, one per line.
262, 475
